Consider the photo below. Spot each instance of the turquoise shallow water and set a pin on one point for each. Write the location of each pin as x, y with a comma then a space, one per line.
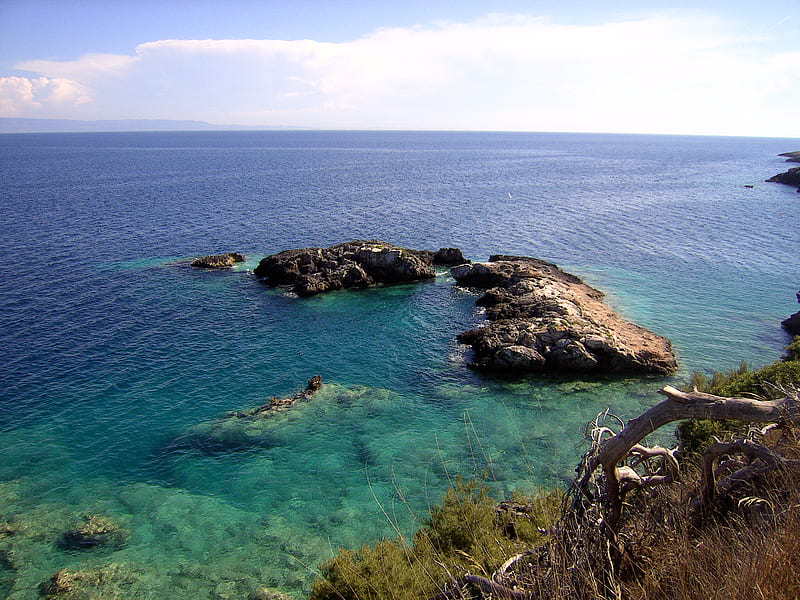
113, 349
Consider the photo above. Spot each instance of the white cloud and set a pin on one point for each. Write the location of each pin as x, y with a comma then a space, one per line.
659, 74
21, 95
88, 67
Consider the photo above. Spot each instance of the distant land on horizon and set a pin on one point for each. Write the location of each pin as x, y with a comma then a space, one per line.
20, 125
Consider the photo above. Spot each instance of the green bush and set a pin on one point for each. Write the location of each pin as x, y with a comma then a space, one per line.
463, 532
766, 383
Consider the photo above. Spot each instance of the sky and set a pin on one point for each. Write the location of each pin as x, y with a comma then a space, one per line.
648, 66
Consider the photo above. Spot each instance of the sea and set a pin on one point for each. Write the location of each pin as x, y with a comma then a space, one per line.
114, 350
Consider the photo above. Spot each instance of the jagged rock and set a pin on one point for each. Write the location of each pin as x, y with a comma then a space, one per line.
218, 261
357, 264
790, 177
541, 318
792, 324
95, 530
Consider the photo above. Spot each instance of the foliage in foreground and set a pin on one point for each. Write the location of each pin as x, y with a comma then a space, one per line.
466, 531
744, 546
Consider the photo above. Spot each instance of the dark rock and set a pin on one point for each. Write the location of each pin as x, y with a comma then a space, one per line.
792, 156
541, 318
448, 256
356, 264
790, 177
792, 324
95, 530
218, 261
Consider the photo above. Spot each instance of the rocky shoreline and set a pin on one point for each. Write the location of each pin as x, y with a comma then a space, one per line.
790, 177
541, 318
792, 323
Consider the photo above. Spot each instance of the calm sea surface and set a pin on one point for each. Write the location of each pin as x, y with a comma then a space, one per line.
112, 348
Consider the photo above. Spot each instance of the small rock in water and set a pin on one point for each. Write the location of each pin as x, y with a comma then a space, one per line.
218, 261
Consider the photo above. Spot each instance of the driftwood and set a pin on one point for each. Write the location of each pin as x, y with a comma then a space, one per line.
608, 452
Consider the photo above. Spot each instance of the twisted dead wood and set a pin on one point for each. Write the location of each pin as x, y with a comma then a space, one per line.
678, 406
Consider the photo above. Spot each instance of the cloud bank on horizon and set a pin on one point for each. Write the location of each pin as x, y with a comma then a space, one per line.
657, 74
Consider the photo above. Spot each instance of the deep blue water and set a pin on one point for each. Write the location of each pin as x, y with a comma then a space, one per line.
112, 348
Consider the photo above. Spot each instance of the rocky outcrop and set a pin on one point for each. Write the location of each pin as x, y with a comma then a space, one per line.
356, 264
541, 318
791, 156
790, 177
218, 261
792, 324
280, 404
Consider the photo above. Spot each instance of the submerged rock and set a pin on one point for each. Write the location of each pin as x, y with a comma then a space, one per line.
95, 530
357, 264
265, 593
541, 318
790, 177
243, 429
218, 261
108, 581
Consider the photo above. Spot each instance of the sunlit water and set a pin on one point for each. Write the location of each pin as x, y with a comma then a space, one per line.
112, 348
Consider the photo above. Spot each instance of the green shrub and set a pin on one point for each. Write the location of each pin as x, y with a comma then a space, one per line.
463, 532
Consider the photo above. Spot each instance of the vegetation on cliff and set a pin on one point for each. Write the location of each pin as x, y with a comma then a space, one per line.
726, 525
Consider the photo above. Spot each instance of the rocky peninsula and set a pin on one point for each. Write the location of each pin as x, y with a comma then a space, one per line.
790, 177
791, 156
541, 318
357, 264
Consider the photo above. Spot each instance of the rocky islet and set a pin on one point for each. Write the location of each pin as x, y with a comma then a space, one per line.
351, 265
218, 261
541, 318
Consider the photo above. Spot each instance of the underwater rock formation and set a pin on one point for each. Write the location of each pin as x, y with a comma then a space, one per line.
218, 261
95, 530
357, 264
108, 581
243, 429
541, 318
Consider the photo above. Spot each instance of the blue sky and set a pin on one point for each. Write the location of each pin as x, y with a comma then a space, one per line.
724, 68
